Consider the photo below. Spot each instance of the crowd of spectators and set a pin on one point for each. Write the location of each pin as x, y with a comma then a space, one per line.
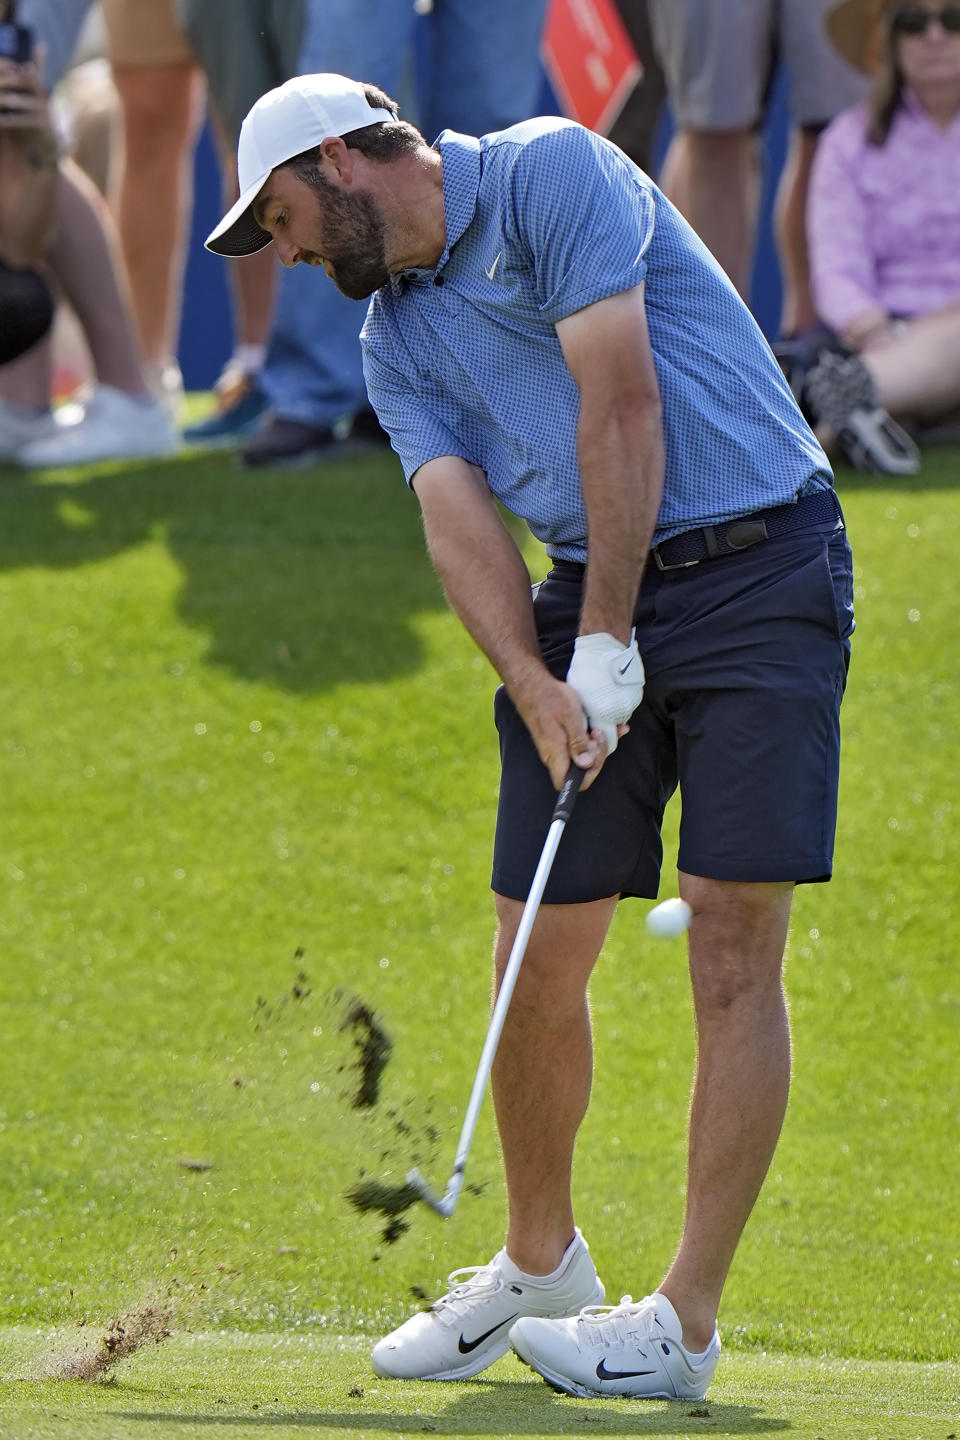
867, 216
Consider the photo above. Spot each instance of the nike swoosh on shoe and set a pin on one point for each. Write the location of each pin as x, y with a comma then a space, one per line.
465, 1346
604, 1374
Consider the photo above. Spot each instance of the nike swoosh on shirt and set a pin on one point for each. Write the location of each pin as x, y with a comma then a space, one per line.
627, 666
465, 1346
493, 268
604, 1374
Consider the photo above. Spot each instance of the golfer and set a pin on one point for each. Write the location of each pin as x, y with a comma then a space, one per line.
545, 330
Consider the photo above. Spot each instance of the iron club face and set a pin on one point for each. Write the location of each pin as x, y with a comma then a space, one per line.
444, 1204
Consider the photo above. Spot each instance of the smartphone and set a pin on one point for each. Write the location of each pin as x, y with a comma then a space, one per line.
16, 43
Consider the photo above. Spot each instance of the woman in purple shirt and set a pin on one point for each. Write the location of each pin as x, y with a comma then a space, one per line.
884, 205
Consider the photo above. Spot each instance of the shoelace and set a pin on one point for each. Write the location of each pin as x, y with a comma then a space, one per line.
483, 1280
614, 1324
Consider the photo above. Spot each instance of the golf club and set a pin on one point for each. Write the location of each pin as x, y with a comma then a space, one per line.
445, 1204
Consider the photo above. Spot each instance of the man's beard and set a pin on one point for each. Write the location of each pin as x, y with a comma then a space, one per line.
355, 242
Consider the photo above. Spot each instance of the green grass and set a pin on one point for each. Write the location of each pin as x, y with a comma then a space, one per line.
243, 739
240, 1385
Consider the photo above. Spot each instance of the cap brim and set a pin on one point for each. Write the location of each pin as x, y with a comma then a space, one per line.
238, 233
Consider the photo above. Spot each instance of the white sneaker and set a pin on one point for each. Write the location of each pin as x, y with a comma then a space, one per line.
626, 1349
19, 427
465, 1331
110, 425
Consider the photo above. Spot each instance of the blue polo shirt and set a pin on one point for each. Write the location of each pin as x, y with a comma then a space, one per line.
543, 219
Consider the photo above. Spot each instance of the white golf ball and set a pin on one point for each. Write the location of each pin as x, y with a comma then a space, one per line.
669, 919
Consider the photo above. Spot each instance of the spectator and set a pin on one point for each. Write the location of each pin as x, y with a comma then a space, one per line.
481, 72
245, 47
119, 418
28, 170
718, 60
161, 99
884, 220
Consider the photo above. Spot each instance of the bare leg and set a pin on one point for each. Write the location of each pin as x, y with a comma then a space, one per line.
161, 113
742, 1081
713, 179
543, 1072
85, 260
85, 264
790, 223
918, 374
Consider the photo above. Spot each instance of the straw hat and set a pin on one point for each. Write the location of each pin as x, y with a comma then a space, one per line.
851, 26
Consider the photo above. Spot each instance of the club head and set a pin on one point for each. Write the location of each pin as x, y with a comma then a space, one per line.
444, 1204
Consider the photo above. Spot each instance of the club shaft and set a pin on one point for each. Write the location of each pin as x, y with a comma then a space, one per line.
561, 814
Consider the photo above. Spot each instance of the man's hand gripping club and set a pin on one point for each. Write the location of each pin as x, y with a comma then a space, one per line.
609, 678
583, 718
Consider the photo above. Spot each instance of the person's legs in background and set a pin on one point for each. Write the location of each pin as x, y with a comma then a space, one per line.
916, 368
716, 67
25, 383
161, 94
240, 400
245, 48
821, 85
313, 375
118, 418
121, 417
484, 65
84, 258
797, 313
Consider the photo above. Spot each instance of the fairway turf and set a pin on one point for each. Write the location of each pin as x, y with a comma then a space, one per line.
238, 1385
249, 776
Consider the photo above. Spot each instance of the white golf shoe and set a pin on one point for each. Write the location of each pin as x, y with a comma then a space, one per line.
467, 1329
626, 1349
108, 425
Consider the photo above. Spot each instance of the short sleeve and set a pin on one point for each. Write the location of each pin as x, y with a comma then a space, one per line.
585, 214
416, 433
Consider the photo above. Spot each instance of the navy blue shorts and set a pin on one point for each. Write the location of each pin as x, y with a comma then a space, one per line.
746, 659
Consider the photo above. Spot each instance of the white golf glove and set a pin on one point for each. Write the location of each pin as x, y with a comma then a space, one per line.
609, 678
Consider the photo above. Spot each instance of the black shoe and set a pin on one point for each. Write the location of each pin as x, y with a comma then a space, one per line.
291, 442
366, 428
840, 393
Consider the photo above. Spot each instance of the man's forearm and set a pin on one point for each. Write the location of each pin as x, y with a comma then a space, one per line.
487, 584
621, 467
620, 452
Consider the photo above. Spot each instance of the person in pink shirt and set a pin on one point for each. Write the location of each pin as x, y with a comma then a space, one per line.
884, 214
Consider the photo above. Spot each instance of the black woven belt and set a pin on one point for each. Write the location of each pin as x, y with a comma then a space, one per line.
710, 541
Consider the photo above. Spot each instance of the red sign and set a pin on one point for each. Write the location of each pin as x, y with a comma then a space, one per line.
590, 59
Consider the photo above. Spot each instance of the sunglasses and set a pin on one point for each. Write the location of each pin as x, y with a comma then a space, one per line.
914, 19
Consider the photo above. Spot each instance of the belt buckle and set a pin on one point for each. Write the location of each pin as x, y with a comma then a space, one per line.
662, 565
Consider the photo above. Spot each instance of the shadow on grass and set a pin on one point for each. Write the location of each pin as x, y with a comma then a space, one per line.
303, 578
511, 1408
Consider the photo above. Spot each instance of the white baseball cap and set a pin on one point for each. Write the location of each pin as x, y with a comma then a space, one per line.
297, 116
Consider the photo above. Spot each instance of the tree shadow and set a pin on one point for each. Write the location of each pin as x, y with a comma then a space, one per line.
304, 578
